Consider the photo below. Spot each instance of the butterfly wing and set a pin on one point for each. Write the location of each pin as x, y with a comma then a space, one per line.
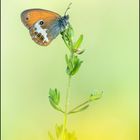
43, 25
31, 16
43, 35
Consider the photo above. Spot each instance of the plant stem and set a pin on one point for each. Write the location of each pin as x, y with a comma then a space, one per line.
66, 108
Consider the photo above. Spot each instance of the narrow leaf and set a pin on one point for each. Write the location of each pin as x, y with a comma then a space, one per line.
79, 110
78, 43
75, 70
53, 104
67, 59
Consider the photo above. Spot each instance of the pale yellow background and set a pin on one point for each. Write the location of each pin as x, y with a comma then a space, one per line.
110, 29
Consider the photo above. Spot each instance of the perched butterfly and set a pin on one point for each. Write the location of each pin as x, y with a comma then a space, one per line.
44, 25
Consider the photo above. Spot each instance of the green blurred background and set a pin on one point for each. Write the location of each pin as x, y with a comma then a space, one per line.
110, 29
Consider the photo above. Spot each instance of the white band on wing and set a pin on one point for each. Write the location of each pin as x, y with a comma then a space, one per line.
42, 31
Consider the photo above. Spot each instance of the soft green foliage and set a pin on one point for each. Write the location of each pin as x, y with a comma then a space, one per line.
73, 61
67, 37
73, 64
58, 134
54, 98
78, 43
54, 95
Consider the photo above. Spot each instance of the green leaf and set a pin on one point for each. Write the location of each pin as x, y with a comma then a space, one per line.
67, 35
54, 105
55, 96
65, 38
67, 59
73, 64
70, 64
96, 95
80, 109
78, 43
76, 68
75, 60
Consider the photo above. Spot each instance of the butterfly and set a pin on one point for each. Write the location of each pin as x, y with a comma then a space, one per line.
44, 25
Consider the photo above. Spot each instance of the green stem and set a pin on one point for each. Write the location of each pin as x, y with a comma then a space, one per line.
66, 108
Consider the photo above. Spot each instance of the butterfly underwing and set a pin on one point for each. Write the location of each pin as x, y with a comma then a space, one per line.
44, 25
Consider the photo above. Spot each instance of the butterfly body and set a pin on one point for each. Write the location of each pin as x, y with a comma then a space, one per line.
44, 25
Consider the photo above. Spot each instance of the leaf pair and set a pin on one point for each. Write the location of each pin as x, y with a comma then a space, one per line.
73, 64
54, 98
83, 106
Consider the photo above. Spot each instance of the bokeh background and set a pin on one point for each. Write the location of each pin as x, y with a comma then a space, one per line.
110, 29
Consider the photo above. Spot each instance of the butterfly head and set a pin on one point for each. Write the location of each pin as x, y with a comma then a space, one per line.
64, 21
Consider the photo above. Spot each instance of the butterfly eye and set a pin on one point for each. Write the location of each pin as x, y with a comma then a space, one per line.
27, 18
41, 22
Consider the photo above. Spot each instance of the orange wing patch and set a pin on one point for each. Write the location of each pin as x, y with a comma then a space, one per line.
29, 17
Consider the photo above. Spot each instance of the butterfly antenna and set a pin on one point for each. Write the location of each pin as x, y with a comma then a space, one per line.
68, 8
